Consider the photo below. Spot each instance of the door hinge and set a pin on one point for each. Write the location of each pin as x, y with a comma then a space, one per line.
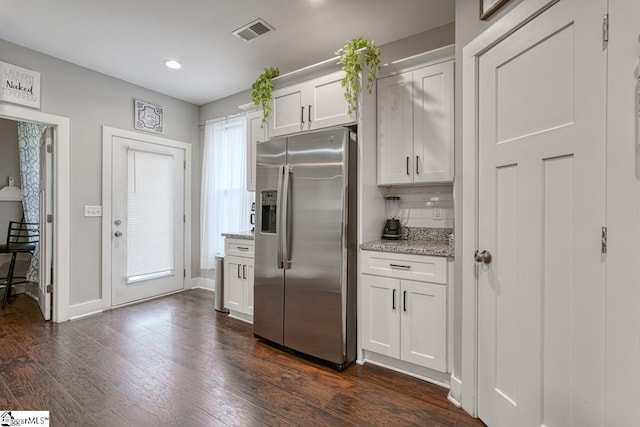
49, 289
49, 219
49, 148
184, 273
604, 240
605, 27
184, 219
185, 164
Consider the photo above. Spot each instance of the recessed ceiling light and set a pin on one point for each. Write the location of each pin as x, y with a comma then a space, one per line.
173, 64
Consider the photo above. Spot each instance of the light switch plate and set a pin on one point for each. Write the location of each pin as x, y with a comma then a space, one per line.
92, 211
437, 213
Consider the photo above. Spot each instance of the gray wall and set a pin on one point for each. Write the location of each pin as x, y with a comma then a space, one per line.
9, 166
403, 48
91, 100
468, 27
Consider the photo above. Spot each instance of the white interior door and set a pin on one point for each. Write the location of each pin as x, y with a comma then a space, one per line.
541, 208
147, 256
46, 228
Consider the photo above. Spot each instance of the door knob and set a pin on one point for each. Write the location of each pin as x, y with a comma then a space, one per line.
118, 234
484, 256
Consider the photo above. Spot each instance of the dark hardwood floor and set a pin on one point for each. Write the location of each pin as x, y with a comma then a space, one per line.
175, 361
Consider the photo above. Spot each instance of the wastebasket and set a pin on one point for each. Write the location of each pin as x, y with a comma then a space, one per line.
219, 291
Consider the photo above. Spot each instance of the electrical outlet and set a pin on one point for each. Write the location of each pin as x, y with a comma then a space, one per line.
92, 211
437, 213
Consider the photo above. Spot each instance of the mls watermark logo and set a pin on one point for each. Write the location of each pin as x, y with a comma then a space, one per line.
24, 418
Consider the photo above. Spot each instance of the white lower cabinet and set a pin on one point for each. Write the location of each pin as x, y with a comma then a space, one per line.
404, 319
238, 279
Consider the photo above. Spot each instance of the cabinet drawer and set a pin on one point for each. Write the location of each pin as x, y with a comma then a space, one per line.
412, 267
238, 247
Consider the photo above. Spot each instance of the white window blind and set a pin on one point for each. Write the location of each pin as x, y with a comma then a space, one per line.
150, 231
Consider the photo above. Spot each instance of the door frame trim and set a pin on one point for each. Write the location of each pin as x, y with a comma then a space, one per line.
512, 21
107, 162
61, 201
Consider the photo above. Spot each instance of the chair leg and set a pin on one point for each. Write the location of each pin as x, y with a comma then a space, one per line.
7, 292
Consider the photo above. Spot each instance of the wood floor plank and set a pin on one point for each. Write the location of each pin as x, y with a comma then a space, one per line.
175, 360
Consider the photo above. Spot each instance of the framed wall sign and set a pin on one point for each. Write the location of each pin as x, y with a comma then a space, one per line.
148, 117
19, 85
489, 7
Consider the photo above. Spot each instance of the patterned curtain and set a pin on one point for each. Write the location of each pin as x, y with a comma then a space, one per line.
29, 145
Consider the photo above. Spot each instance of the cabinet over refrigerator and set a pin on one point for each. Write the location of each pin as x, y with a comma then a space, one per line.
305, 243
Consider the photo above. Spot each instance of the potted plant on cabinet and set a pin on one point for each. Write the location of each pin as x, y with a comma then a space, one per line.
261, 90
351, 55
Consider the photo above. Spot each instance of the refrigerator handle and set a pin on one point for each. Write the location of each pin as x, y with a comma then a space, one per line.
284, 230
278, 218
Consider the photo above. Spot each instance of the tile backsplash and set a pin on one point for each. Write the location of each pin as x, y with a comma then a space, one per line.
421, 205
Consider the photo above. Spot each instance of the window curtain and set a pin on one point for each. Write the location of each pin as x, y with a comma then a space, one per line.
29, 150
225, 202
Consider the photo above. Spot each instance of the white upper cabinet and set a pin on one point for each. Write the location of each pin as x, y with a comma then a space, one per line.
255, 133
314, 104
416, 126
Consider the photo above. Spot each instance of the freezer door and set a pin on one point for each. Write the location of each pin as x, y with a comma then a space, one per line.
268, 279
315, 283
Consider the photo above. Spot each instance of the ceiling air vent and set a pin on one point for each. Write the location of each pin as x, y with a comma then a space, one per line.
253, 29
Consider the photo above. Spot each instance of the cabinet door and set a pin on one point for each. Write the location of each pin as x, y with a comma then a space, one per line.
433, 124
234, 284
424, 324
381, 315
287, 114
255, 133
249, 263
326, 105
395, 130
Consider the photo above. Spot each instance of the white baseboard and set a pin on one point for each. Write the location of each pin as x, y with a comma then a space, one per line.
85, 309
455, 392
203, 283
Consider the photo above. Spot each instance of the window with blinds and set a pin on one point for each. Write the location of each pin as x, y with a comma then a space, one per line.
150, 209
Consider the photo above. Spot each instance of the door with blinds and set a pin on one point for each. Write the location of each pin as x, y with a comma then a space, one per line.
147, 220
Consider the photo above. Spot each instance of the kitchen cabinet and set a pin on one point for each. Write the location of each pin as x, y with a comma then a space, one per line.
255, 132
239, 278
310, 105
404, 318
416, 126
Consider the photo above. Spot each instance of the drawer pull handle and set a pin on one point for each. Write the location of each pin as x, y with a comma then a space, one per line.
393, 300
400, 266
242, 248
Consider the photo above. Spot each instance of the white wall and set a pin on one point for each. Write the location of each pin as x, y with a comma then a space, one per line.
468, 27
622, 391
91, 100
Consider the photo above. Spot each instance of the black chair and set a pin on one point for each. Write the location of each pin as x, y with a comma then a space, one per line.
21, 238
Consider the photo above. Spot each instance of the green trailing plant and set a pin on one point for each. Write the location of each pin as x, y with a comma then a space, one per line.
261, 90
351, 56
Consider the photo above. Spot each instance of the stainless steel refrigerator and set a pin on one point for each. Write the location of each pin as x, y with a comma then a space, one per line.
305, 244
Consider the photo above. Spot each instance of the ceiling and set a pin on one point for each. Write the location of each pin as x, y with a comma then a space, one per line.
129, 39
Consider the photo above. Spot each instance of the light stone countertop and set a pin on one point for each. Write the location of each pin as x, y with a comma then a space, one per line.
413, 247
242, 235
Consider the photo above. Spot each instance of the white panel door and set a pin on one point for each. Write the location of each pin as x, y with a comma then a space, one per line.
423, 324
148, 220
433, 123
234, 288
541, 208
381, 315
395, 130
46, 228
326, 105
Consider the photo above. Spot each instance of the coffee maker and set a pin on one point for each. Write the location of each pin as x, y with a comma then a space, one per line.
392, 229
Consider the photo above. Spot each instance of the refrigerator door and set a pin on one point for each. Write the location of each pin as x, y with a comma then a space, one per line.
315, 283
268, 276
